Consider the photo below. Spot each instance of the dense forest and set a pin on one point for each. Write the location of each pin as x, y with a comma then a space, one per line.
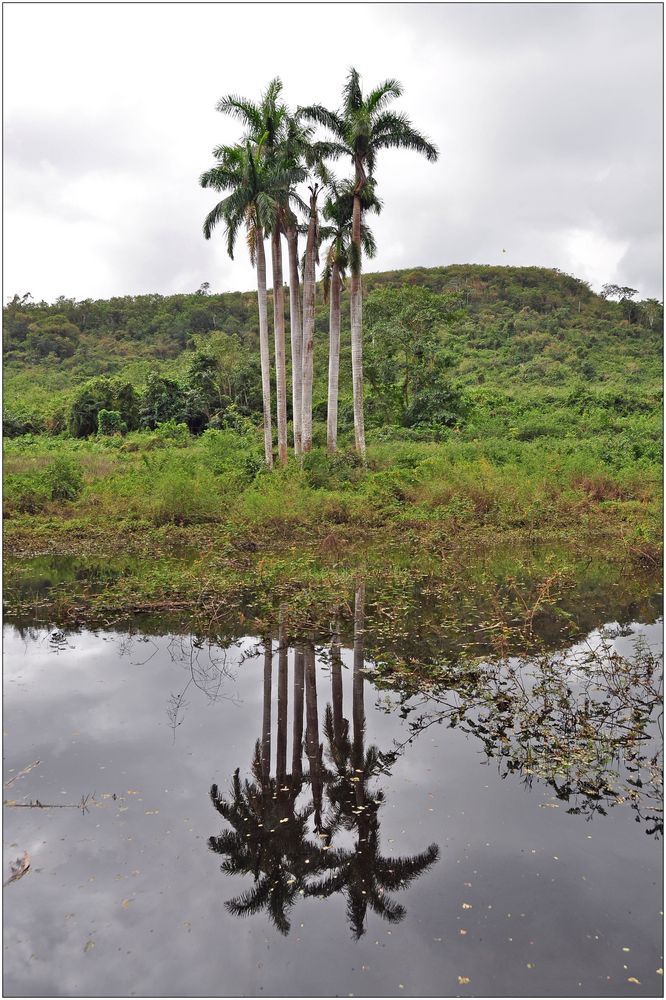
446, 349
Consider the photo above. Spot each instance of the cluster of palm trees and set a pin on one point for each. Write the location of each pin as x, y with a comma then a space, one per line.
269, 836
264, 176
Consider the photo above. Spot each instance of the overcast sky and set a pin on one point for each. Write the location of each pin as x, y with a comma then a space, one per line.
548, 119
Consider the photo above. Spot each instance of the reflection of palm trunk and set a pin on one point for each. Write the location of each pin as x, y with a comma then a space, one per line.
358, 712
266, 724
299, 688
312, 731
336, 690
281, 764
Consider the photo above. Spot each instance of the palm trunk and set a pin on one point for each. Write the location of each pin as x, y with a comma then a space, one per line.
312, 732
296, 337
266, 721
333, 361
358, 710
308, 325
336, 690
278, 326
263, 351
299, 690
281, 756
357, 328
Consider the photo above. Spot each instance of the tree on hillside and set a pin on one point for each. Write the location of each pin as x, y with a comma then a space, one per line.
363, 127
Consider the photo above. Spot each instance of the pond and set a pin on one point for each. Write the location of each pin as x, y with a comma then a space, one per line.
292, 816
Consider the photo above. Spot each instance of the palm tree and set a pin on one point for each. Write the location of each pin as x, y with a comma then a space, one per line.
266, 124
363, 127
338, 211
239, 171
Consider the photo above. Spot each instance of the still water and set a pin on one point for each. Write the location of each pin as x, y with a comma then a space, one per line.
272, 818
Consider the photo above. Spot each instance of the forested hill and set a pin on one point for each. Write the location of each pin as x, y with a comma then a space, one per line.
505, 327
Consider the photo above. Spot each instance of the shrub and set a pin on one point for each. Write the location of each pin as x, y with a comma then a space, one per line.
170, 432
18, 424
183, 497
25, 494
64, 479
110, 422
331, 471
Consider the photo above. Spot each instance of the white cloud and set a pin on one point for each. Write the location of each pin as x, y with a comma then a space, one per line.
595, 257
548, 118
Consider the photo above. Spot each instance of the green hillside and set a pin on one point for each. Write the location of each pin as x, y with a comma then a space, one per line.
501, 334
501, 403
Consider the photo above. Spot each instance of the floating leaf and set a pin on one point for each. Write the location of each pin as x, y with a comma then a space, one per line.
19, 868
463, 980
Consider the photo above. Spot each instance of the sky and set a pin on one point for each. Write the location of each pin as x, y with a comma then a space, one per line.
548, 118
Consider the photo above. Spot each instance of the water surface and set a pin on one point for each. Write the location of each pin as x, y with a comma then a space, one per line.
275, 819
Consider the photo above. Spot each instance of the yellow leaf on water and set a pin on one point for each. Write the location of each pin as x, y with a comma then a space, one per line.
89, 945
126, 903
632, 979
463, 980
467, 906
659, 972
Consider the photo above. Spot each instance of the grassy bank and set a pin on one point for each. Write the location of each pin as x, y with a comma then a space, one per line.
170, 522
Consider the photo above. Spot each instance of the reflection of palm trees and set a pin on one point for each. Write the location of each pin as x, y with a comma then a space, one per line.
361, 874
269, 835
268, 840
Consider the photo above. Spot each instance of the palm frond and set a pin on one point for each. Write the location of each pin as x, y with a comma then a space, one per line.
386, 907
393, 129
251, 901
328, 119
215, 216
352, 95
241, 109
381, 95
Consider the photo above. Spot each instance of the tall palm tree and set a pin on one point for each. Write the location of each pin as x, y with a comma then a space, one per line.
240, 172
337, 211
265, 126
363, 127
